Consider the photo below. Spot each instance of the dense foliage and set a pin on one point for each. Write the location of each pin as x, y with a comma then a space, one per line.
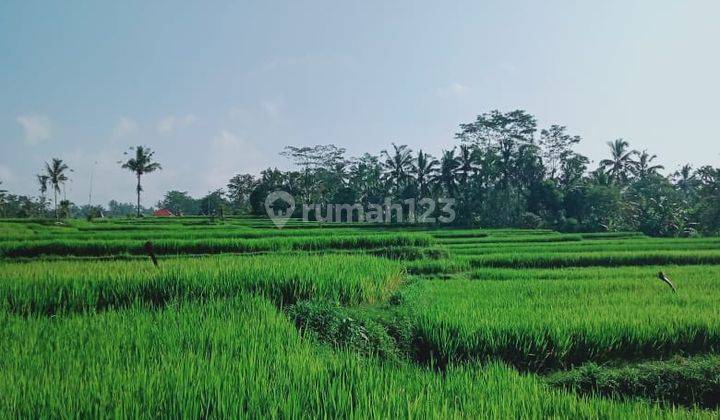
505, 172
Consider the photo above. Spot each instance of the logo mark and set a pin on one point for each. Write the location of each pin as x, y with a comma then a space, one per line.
279, 206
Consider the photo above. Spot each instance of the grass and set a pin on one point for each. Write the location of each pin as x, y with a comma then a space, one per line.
61, 287
353, 321
242, 358
562, 320
682, 381
75, 247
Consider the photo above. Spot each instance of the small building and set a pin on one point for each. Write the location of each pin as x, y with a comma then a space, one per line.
163, 213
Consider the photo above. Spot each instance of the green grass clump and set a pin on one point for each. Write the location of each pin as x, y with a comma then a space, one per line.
685, 381
334, 325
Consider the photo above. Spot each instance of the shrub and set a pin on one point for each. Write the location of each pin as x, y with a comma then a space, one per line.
332, 324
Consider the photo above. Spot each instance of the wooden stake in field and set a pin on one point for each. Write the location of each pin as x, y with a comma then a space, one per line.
149, 249
665, 278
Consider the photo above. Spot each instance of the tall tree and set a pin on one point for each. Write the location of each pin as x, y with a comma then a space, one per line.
239, 188
366, 177
213, 204
644, 165
42, 180
179, 203
398, 165
448, 171
425, 169
140, 164
556, 147
709, 198
57, 176
313, 157
318, 166
3, 194
686, 181
572, 170
466, 163
502, 133
621, 163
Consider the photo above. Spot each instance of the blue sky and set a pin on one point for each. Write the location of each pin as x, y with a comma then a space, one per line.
218, 88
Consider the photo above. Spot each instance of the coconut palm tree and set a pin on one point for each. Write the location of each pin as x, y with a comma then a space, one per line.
466, 163
449, 165
620, 165
399, 165
57, 177
43, 182
141, 164
644, 167
686, 180
425, 170
600, 177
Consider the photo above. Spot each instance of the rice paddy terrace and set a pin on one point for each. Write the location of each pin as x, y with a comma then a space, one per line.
353, 321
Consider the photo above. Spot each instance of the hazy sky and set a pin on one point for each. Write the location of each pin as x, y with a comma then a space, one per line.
218, 88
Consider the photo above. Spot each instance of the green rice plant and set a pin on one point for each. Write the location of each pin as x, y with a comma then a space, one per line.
24, 249
438, 266
595, 259
188, 233
599, 246
564, 321
614, 235
516, 239
241, 358
65, 287
640, 273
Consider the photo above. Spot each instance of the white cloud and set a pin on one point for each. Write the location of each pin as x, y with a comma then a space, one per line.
124, 128
453, 90
171, 123
36, 128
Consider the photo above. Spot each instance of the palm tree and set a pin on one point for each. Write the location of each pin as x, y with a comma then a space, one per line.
399, 165
2, 199
56, 175
425, 172
140, 165
644, 167
600, 177
621, 164
685, 180
466, 163
43, 182
449, 165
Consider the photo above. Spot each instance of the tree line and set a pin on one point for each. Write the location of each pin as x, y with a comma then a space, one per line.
503, 172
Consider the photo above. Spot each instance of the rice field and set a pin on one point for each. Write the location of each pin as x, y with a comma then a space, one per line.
352, 321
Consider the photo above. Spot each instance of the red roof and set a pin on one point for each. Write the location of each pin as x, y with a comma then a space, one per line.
163, 213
